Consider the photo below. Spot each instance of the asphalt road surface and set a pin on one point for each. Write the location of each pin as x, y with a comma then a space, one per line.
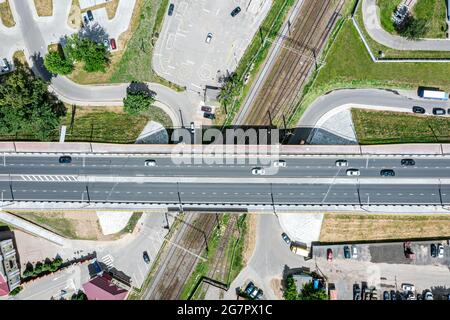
302, 181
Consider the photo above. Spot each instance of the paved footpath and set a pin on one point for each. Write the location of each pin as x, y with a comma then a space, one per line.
373, 26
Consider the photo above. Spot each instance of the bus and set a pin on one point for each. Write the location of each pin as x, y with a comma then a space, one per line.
433, 94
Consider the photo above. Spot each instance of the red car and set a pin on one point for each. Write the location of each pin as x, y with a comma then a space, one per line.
329, 255
113, 44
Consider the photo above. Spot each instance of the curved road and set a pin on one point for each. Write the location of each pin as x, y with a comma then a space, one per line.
106, 95
373, 26
338, 100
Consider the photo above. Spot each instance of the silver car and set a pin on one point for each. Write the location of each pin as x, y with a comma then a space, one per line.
150, 163
353, 172
258, 171
209, 37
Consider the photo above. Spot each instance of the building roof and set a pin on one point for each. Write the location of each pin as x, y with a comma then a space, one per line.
101, 288
4, 290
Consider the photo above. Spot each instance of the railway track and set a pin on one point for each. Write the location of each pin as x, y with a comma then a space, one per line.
182, 256
284, 81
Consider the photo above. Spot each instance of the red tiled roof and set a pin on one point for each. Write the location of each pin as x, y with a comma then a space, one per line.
101, 288
4, 289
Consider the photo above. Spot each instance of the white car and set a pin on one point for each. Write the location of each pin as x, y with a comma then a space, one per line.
354, 252
353, 172
4, 65
408, 287
279, 164
258, 171
440, 250
209, 37
150, 163
341, 163
192, 128
106, 43
428, 296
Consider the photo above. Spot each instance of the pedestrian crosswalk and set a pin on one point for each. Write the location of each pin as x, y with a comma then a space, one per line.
108, 260
46, 178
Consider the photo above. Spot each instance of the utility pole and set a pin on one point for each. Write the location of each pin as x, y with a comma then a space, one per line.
179, 198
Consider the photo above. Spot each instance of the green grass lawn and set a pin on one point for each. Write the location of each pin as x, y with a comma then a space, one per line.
348, 65
387, 7
100, 124
378, 127
432, 11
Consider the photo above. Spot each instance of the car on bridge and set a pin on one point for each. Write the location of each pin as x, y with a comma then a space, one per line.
258, 171
150, 163
353, 172
279, 163
65, 159
341, 163
387, 173
408, 162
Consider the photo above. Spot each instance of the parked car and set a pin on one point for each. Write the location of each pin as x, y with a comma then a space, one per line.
146, 257
208, 37
329, 255
113, 44
150, 163
433, 250
387, 173
428, 295
86, 20
408, 162
4, 65
386, 295
356, 292
279, 163
106, 43
90, 15
258, 171
408, 287
171, 8
208, 115
419, 296
440, 251
192, 128
235, 11
65, 159
354, 252
353, 172
393, 295
286, 238
347, 254
438, 111
254, 293
206, 109
417, 109
259, 294
249, 288
341, 163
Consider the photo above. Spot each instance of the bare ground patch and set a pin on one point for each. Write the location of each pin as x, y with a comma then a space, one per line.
6, 14
250, 238
355, 227
74, 19
44, 8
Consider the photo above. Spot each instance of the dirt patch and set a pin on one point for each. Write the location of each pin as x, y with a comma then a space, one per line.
44, 8
111, 8
74, 19
250, 238
354, 227
6, 14
277, 287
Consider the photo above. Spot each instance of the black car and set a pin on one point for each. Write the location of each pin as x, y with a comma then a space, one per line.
235, 11
206, 109
433, 250
249, 288
146, 257
438, 111
417, 109
386, 296
209, 115
387, 173
356, 292
408, 162
393, 295
347, 254
65, 159
86, 21
171, 7
90, 15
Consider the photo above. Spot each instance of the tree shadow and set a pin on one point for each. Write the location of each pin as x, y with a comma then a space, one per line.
94, 32
140, 87
39, 67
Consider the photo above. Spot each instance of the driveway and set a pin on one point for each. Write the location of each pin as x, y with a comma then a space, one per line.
373, 26
182, 54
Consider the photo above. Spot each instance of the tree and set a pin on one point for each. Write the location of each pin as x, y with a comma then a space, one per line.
26, 105
413, 28
230, 90
309, 293
95, 56
137, 102
16, 291
57, 64
290, 289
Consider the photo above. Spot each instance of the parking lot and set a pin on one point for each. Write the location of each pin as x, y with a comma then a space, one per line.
182, 54
391, 252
